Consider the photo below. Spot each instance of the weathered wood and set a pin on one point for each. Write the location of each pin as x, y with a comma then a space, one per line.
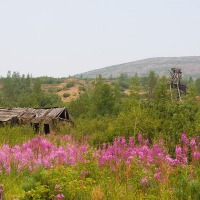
175, 82
43, 117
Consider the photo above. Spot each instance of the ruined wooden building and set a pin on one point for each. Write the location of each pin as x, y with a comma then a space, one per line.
42, 120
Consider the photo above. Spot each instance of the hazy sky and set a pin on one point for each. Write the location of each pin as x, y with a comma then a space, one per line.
65, 37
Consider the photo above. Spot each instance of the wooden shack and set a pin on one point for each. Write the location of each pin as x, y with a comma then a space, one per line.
41, 119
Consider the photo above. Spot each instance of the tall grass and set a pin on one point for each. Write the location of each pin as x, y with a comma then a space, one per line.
13, 135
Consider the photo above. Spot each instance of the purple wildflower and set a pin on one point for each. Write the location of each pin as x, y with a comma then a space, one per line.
60, 196
143, 181
184, 138
192, 143
57, 186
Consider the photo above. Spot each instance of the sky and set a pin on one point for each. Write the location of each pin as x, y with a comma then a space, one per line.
59, 38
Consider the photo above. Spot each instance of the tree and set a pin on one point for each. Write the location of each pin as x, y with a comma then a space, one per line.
198, 86
190, 80
192, 93
135, 86
152, 81
162, 94
81, 106
103, 99
162, 98
123, 81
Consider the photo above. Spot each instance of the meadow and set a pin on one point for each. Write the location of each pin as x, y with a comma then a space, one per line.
60, 167
130, 141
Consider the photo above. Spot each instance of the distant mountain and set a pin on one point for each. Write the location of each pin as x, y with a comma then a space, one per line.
190, 66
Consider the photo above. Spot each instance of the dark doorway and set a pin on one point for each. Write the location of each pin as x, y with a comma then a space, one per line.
63, 114
46, 129
36, 127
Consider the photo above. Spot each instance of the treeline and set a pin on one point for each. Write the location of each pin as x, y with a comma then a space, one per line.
24, 91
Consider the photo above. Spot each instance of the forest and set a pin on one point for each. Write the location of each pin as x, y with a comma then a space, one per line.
130, 132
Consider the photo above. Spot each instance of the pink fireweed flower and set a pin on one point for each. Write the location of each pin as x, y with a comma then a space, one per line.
123, 141
185, 149
184, 138
129, 159
147, 142
57, 186
157, 176
19, 168
140, 138
144, 181
30, 168
40, 152
178, 151
60, 196
192, 143
181, 158
104, 145
131, 142
170, 161
196, 155
83, 148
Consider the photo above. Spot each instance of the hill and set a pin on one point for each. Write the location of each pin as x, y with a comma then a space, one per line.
69, 89
190, 66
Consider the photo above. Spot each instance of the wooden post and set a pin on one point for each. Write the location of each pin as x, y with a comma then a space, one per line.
175, 82
1, 191
179, 94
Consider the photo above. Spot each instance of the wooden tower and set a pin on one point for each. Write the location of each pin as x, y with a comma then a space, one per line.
175, 83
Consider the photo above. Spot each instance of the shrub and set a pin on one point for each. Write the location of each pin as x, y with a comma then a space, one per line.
59, 89
59, 183
82, 88
50, 90
70, 84
65, 95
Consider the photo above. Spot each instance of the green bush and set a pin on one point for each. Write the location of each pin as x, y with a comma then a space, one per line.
59, 89
66, 181
70, 84
51, 90
65, 95
81, 88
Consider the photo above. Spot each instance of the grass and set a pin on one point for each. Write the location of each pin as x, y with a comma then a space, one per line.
15, 135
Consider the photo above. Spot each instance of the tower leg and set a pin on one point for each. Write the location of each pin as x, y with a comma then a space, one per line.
179, 94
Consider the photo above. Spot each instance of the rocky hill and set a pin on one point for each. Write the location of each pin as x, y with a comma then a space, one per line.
190, 66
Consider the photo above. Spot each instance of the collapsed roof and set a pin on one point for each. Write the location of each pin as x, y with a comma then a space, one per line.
28, 114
